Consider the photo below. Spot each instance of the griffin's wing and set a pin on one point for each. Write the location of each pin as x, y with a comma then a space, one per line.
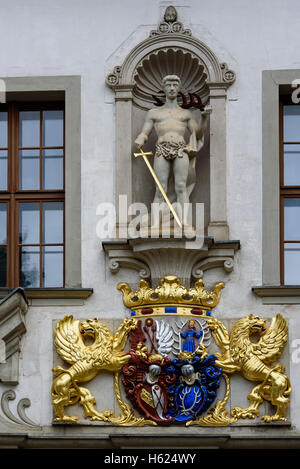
271, 344
68, 340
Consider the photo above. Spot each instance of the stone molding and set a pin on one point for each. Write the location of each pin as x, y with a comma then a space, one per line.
156, 258
12, 326
278, 294
55, 293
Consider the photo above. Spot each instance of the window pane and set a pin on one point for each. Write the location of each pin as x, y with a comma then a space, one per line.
291, 123
52, 223
53, 169
292, 219
53, 130
3, 229
30, 266
3, 259
3, 170
52, 266
292, 165
3, 129
29, 170
29, 223
292, 264
30, 128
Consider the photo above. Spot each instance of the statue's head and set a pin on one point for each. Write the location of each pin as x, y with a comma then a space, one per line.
171, 85
192, 324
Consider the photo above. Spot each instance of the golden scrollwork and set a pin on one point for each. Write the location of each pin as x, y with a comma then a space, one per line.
105, 353
218, 416
170, 291
253, 360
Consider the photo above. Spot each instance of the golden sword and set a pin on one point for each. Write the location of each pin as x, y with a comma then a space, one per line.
144, 155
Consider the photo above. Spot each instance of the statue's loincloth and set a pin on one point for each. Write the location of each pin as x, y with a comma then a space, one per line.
170, 150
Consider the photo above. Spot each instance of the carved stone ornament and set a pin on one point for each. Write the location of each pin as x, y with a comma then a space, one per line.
170, 49
22, 419
12, 326
170, 25
170, 374
156, 258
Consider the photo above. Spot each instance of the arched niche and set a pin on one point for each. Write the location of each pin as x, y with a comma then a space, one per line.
171, 49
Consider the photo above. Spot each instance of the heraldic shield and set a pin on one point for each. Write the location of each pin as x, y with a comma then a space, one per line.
171, 359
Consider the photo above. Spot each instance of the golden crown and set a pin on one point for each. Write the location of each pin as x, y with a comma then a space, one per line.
170, 297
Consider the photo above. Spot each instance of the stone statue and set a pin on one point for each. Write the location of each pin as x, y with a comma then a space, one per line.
170, 122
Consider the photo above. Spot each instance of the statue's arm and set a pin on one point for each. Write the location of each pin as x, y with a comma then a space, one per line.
146, 130
197, 130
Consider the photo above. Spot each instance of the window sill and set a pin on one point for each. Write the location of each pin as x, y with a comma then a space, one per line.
51, 293
278, 294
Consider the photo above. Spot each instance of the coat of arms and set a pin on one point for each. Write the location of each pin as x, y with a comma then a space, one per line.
163, 362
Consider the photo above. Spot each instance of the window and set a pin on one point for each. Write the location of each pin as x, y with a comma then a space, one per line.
32, 184
290, 191
280, 282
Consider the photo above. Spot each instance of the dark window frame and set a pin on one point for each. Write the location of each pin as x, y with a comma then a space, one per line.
13, 196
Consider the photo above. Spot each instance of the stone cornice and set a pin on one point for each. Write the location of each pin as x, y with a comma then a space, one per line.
47, 293
278, 294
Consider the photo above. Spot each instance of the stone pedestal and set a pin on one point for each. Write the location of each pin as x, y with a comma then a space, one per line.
155, 258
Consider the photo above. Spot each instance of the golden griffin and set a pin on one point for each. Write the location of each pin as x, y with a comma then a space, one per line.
253, 361
106, 353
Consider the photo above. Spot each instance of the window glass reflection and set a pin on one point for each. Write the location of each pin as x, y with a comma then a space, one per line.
291, 263
53, 169
52, 266
291, 219
3, 265
30, 170
3, 129
3, 170
29, 223
53, 131
52, 223
29, 128
291, 123
3, 221
30, 266
292, 165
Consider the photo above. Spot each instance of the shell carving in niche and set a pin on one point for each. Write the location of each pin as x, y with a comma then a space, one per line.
149, 73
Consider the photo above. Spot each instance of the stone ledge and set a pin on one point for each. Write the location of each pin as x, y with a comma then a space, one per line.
142, 442
278, 294
47, 293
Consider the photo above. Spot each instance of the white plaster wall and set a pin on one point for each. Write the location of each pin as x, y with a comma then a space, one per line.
90, 37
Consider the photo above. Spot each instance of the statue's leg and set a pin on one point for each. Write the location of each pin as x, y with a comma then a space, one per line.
161, 168
181, 170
